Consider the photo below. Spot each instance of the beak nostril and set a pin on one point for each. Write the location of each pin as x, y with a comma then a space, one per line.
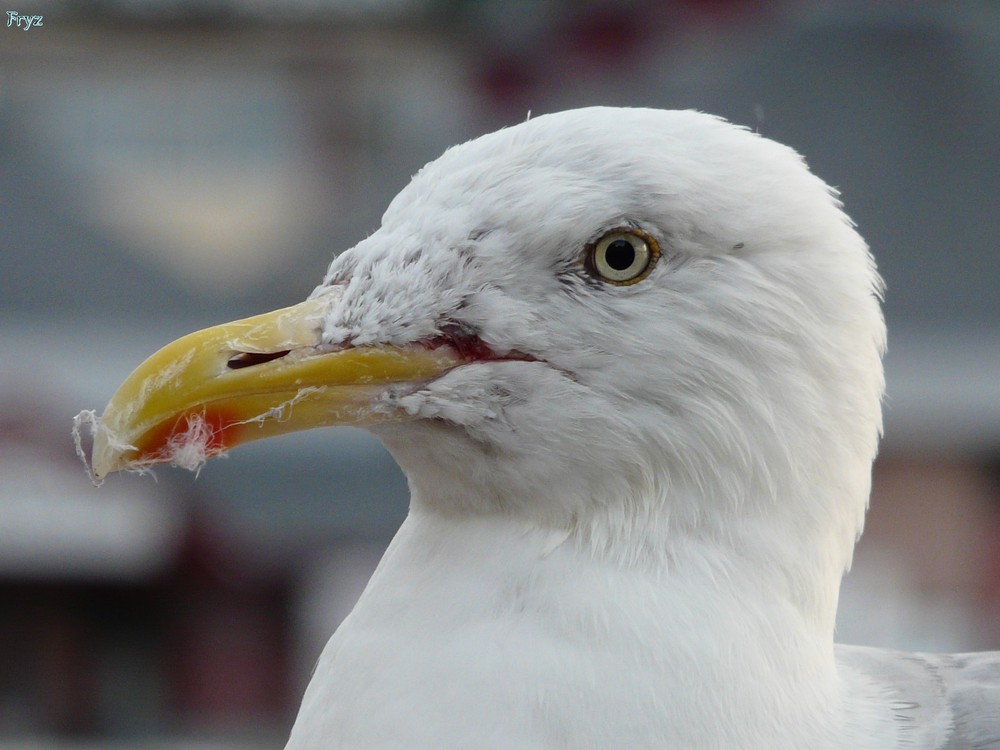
250, 359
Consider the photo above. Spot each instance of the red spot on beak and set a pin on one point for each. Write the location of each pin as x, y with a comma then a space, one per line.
212, 428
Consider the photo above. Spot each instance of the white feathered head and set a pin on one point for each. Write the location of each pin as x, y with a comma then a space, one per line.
640, 325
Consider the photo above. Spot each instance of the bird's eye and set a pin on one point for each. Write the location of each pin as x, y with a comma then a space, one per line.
623, 256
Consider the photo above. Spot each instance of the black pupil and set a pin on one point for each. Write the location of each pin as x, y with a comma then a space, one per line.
620, 255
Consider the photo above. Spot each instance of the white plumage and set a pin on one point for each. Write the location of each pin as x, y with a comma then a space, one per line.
638, 540
632, 504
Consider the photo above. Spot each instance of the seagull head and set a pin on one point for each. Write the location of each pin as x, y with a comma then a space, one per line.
642, 327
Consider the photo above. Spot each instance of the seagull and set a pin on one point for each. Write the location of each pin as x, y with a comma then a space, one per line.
630, 361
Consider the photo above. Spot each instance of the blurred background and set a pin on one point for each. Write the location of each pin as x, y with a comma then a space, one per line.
169, 164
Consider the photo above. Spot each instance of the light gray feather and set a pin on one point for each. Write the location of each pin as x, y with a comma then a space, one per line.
938, 701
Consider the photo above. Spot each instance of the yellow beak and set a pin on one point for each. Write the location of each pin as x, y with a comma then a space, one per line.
250, 379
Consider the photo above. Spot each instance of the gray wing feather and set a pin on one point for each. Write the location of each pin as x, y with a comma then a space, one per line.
938, 701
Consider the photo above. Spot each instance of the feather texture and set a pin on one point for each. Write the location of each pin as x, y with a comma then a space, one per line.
634, 535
